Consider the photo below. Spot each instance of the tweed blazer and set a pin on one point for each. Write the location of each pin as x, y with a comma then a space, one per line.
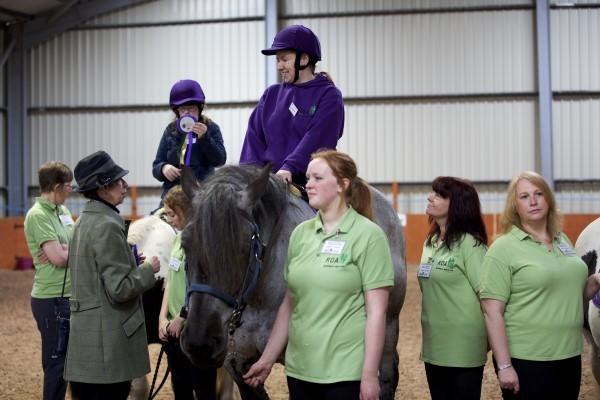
107, 342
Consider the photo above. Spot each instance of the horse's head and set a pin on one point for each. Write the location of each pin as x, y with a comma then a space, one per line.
230, 211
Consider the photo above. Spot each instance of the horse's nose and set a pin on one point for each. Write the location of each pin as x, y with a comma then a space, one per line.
204, 350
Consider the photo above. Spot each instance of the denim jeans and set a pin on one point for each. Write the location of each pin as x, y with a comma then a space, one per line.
44, 312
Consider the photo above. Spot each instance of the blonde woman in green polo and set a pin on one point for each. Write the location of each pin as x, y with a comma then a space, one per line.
532, 291
454, 339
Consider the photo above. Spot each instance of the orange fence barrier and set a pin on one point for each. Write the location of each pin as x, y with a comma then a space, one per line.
13, 243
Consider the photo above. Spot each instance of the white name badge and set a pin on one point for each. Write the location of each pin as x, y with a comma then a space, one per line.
174, 264
293, 109
66, 220
424, 271
566, 249
333, 247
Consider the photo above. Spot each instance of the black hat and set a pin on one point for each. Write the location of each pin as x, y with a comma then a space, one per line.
97, 170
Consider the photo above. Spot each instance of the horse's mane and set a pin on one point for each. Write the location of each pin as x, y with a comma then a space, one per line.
218, 228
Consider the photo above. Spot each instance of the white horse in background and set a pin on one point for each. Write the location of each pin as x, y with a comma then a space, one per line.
154, 237
588, 248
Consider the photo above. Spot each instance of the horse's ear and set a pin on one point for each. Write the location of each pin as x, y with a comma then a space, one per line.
254, 191
189, 183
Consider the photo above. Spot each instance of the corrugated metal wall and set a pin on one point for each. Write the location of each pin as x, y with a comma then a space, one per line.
136, 66
415, 142
428, 54
576, 61
432, 54
447, 92
340, 6
130, 137
139, 65
577, 139
183, 10
575, 49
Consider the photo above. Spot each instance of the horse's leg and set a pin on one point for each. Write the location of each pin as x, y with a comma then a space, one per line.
249, 393
388, 369
139, 389
595, 364
226, 389
246, 392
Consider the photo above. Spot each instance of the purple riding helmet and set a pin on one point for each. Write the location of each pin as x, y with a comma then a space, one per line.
298, 38
186, 91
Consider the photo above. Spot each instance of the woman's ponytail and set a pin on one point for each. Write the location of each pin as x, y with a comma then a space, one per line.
358, 193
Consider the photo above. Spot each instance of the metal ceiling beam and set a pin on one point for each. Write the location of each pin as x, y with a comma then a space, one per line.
16, 154
544, 77
15, 14
7, 52
62, 10
271, 29
44, 28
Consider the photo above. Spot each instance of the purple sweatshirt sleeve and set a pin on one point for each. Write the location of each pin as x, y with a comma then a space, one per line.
254, 146
324, 131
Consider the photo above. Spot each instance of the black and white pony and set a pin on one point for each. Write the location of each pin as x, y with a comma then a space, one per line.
236, 244
588, 248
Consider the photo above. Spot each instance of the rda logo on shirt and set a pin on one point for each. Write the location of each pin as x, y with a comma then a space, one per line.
450, 262
336, 261
447, 264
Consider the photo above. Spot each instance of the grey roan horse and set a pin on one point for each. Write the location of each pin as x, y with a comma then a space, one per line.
228, 210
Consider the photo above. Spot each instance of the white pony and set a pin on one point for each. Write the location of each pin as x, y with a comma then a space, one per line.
588, 248
154, 237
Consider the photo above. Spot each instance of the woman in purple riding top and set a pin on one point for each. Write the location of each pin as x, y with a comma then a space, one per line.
302, 114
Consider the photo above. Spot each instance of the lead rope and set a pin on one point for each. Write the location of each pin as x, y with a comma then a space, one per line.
151, 395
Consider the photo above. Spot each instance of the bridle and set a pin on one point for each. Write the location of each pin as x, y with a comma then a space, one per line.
238, 305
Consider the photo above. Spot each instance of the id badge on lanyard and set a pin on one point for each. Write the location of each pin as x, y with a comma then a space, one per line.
424, 271
175, 264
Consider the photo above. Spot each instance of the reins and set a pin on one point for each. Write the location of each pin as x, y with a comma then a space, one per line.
151, 395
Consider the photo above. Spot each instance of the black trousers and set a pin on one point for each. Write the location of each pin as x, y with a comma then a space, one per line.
303, 390
454, 383
186, 379
539, 380
45, 312
100, 391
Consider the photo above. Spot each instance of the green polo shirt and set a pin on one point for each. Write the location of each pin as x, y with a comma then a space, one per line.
328, 275
44, 222
543, 292
452, 323
176, 278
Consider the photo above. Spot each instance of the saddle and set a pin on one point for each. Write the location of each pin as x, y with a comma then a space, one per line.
297, 190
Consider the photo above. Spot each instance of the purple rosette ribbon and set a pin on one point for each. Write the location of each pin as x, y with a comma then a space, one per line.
185, 125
